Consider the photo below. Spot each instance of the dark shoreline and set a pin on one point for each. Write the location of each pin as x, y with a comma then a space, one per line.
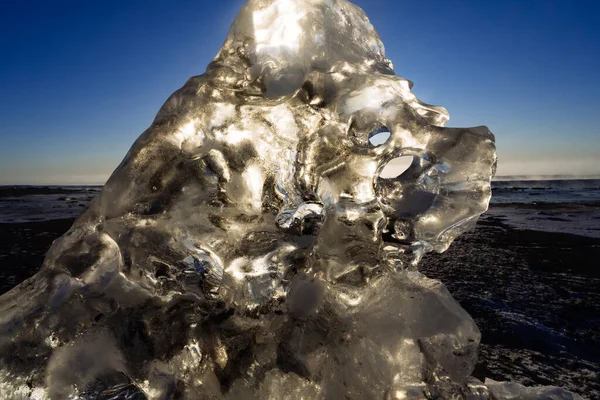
536, 299
534, 295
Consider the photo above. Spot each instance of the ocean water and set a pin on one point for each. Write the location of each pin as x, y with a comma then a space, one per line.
568, 206
20, 204
545, 191
565, 206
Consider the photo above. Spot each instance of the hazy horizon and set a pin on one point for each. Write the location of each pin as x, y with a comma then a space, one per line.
82, 80
497, 178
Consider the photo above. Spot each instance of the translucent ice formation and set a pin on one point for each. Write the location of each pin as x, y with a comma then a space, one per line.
246, 247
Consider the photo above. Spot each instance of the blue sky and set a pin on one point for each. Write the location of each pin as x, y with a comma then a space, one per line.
80, 80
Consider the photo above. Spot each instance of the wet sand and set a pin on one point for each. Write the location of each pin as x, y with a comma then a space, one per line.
536, 299
534, 295
23, 247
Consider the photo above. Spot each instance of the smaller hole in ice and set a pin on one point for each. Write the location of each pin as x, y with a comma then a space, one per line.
396, 167
379, 137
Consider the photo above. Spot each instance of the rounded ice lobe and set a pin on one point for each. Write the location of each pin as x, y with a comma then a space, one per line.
248, 246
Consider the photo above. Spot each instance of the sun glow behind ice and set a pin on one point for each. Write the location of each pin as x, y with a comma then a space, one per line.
278, 27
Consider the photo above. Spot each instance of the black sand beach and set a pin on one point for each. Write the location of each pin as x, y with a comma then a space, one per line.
534, 295
23, 247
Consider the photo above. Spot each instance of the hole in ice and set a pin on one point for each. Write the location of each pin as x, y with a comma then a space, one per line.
161, 270
396, 167
379, 137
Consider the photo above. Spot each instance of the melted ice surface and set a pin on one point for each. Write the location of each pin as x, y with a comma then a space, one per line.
247, 247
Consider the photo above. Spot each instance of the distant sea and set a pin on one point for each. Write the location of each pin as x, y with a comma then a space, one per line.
561, 205
20, 204
545, 191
